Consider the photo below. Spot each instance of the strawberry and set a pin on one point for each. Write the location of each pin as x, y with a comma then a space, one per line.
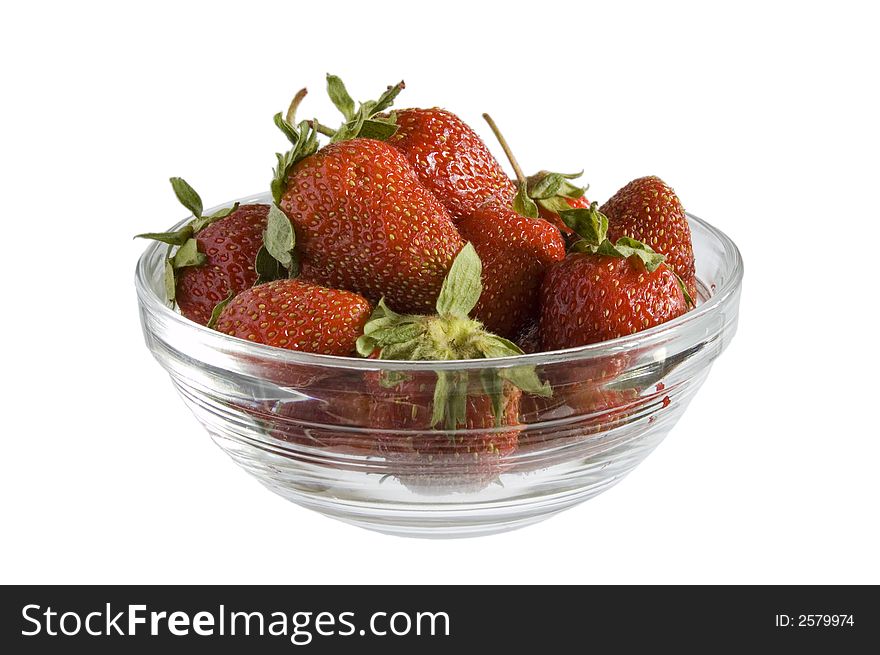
297, 315
544, 194
434, 461
419, 403
365, 223
647, 209
602, 290
216, 253
515, 251
451, 160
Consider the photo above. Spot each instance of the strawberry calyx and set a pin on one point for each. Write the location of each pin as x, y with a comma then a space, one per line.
277, 258
450, 334
187, 253
591, 226
303, 138
367, 121
551, 190
545, 188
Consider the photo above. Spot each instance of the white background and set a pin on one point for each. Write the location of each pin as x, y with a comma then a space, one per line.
762, 115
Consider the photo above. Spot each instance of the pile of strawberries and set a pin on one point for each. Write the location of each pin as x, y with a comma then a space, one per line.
403, 238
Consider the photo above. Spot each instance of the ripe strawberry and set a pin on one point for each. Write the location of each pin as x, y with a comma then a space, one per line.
515, 251
434, 461
216, 254
648, 210
605, 290
471, 408
297, 315
365, 223
451, 160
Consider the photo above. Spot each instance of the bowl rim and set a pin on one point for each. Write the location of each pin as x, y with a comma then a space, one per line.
151, 301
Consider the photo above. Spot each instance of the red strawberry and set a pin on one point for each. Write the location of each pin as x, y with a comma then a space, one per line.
589, 298
648, 210
451, 160
365, 223
605, 290
231, 246
297, 315
216, 255
470, 407
434, 461
515, 251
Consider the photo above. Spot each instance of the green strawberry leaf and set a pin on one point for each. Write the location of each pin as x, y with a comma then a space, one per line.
457, 413
689, 301
339, 95
177, 238
378, 130
590, 224
188, 255
526, 378
386, 328
387, 98
630, 248
191, 200
442, 389
493, 387
279, 175
556, 204
523, 377
267, 267
287, 128
170, 282
304, 144
202, 222
573, 191
351, 129
523, 204
279, 237
218, 309
545, 186
463, 285
365, 122
187, 196
492, 346
450, 399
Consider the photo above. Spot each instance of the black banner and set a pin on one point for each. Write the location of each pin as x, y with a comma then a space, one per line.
336, 619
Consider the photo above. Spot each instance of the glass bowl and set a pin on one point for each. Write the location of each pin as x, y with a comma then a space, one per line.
350, 437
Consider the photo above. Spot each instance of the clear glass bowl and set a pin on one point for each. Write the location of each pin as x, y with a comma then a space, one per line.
324, 432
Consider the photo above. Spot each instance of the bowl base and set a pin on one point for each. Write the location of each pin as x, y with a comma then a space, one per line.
452, 522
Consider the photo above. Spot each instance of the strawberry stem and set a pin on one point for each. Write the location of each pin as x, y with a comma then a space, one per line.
294, 105
520, 176
321, 129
